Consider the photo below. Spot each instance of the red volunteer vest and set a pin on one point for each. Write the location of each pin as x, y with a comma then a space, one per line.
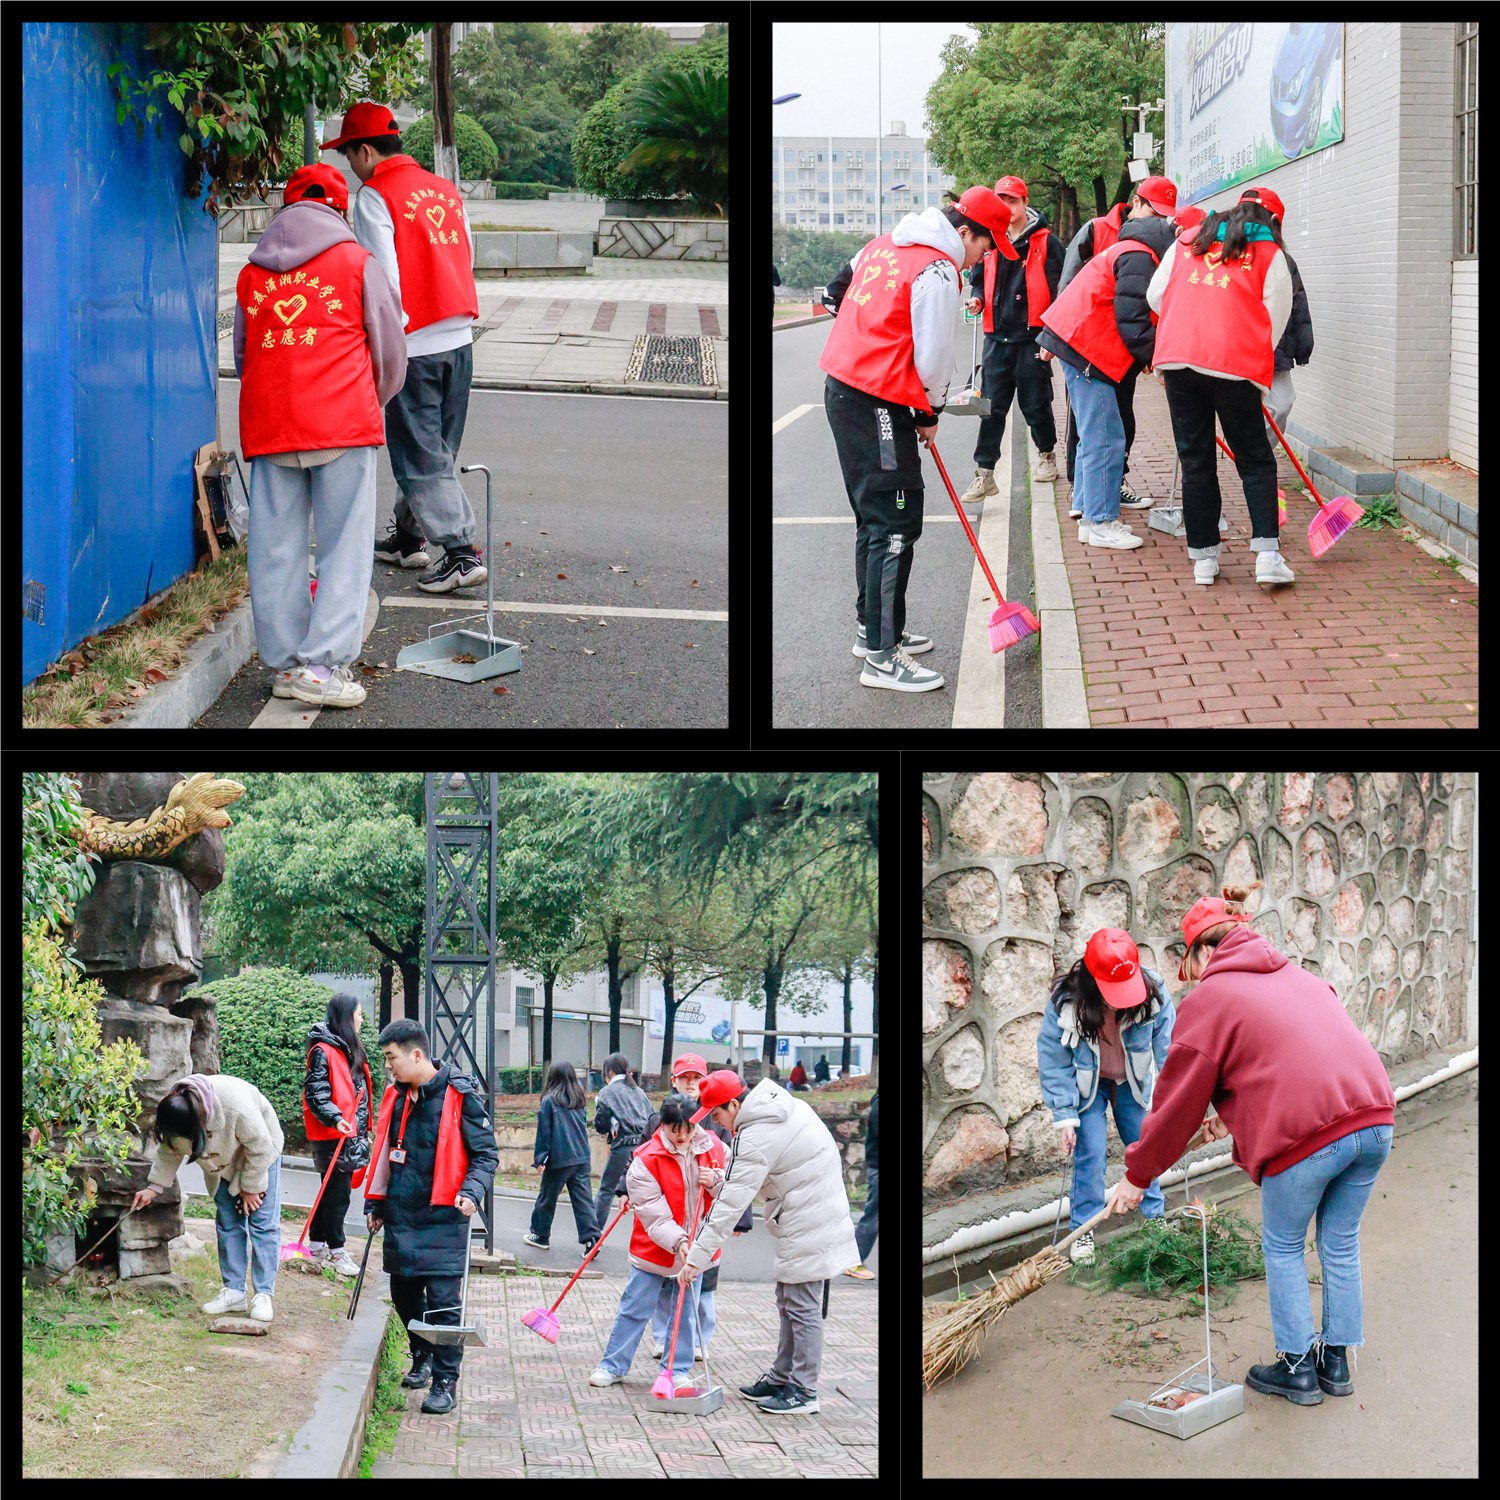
1214, 315
1083, 316
1038, 294
432, 244
659, 1157
308, 382
341, 1085
452, 1159
870, 345
1107, 229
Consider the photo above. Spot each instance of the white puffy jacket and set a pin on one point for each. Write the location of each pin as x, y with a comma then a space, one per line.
784, 1151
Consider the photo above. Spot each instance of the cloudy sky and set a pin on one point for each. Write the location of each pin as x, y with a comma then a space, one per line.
833, 68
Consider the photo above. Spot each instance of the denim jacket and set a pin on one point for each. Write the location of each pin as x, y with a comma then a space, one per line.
1069, 1065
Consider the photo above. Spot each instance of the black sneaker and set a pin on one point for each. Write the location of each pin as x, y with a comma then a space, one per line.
419, 1374
763, 1388
1129, 500
441, 1397
402, 547
792, 1399
459, 569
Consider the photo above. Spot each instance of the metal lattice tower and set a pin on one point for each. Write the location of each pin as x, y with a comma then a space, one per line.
459, 949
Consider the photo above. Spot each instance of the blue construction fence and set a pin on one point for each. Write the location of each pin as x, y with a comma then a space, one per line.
119, 359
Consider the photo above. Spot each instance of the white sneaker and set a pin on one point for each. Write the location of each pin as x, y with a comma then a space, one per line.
601, 1376
1113, 534
913, 642
340, 691
341, 1262
1083, 1247
1270, 567
227, 1301
260, 1308
984, 484
281, 684
1075, 512
1205, 570
1046, 468
893, 668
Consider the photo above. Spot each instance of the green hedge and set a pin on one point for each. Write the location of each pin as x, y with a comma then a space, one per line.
264, 1015
524, 190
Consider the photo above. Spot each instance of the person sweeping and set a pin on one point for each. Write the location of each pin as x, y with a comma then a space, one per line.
1311, 1110
229, 1128
1104, 1036
433, 1161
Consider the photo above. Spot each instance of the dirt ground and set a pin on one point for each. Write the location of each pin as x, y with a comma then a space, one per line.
169, 1399
1035, 1401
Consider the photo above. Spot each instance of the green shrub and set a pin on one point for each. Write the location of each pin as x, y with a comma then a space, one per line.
77, 1099
525, 189
55, 872
478, 155
264, 1015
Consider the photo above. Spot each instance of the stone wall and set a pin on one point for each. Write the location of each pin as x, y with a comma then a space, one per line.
1367, 882
664, 239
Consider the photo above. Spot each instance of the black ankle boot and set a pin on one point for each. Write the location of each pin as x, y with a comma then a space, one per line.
419, 1374
1294, 1376
1333, 1371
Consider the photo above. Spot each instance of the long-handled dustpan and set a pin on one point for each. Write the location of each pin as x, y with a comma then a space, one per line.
969, 402
463, 1332
700, 1399
467, 654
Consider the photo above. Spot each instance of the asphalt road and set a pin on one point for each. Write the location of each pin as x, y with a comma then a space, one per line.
751, 1257
581, 483
815, 674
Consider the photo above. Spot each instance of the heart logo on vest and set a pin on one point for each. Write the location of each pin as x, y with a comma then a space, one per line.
297, 305
436, 214
871, 272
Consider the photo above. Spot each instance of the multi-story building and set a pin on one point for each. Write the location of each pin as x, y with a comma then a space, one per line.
829, 182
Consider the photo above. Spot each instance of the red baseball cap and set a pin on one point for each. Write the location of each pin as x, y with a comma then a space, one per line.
1206, 912
982, 205
689, 1062
718, 1088
1267, 199
1160, 193
1012, 185
1112, 959
361, 123
318, 175
1189, 218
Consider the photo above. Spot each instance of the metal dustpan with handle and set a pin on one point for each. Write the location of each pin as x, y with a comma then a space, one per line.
467, 649
968, 402
463, 1332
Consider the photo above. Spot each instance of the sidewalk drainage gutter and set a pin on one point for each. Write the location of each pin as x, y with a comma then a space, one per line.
1023, 1221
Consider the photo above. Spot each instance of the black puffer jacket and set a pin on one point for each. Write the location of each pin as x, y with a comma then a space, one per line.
423, 1238
1012, 317
872, 1138
1296, 344
317, 1090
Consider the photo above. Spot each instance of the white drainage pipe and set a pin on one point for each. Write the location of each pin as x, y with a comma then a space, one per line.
1008, 1226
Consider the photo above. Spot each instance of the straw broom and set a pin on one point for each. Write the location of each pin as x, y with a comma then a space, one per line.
951, 1334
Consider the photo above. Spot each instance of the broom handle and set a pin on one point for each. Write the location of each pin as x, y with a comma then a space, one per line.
92, 1247
592, 1253
322, 1188
1287, 450
973, 540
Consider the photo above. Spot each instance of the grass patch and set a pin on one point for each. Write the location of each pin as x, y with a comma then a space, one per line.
198, 1206
1380, 510
389, 1403
90, 686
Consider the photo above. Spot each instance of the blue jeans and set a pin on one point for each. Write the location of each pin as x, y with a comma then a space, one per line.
1099, 469
661, 1320
869, 1225
424, 427
1087, 1197
1334, 1184
252, 1244
645, 1295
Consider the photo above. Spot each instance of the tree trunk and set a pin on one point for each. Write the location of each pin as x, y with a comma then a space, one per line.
444, 152
411, 980
669, 1021
547, 981
771, 982
616, 989
386, 969
1068, 212
1101, 203
848, 1013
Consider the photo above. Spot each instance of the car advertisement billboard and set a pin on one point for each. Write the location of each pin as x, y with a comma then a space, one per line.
1245, 97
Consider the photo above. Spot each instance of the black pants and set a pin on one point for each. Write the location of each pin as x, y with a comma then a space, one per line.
328, 1223
1012, 369
1125, 395
1195, 400
554, 1179
878, 452
431, 1299
611, 1180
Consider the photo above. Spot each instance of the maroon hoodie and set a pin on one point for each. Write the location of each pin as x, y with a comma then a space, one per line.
1272, 1048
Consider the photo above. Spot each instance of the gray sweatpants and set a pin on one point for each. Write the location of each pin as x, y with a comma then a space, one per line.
1279, 404
291, 628
799, 1351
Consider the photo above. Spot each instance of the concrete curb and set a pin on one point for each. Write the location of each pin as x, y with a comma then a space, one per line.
718, 392
799, 322
328, 1444
1064, 700
210, 663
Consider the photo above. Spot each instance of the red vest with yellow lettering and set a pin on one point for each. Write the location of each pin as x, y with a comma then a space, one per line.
1107, 228
308, 382
1214, 316
1038, 293
870, 346
1083, 316
432, 243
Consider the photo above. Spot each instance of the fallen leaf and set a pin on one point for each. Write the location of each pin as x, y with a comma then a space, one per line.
465, 656
384, 664
507, 544
692, 645
155, 674
502, 689
588, 652
694, 583
98, 685
616, 568
1156, 1333
138, 691
604, 622
562, 575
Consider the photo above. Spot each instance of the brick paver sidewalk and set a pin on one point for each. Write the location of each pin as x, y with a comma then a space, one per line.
526, 1409
1376, 633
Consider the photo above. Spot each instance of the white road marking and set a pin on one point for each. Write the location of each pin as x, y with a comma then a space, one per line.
790, 417
448, 603
849, 521
979, 699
